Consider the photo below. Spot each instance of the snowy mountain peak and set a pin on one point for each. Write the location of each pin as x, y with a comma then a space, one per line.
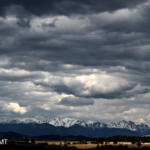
57, 119
124, 121
20, 120
90, 122
68, 122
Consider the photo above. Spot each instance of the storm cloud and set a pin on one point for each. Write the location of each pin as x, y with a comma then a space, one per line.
75, 101
72, 58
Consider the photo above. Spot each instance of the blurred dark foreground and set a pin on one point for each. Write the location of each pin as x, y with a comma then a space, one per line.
15, 145
18, 145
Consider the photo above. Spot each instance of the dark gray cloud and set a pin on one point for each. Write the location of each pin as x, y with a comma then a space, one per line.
66, 7
75, 101
20, 13
94, 91
52, 24
96, 51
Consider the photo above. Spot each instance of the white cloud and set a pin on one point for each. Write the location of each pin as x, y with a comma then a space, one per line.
75, 101
15, 107
140, 120
130, 111
87, 85
44, 106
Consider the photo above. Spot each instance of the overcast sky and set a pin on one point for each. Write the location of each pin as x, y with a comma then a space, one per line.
84, 59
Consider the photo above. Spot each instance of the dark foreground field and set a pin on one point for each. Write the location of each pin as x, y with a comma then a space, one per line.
43, 145
17, 145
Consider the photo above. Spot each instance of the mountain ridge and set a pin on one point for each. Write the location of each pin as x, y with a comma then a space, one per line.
68, 122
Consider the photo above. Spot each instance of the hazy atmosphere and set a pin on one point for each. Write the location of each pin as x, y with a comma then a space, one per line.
83, 59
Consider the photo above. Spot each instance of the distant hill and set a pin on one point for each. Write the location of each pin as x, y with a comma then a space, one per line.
12, 136
47, 129
68, 122
68, 126
119, 136
15, 136
60, 138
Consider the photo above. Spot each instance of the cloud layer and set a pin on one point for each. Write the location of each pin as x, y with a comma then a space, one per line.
73, 58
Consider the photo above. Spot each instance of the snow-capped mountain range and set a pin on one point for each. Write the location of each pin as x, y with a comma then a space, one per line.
68, 122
